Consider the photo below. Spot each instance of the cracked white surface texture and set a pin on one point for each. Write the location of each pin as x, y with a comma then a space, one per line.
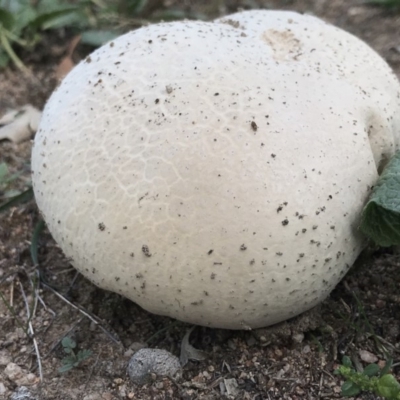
215, 172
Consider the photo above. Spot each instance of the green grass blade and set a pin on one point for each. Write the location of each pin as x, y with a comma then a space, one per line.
34, 242
21, 198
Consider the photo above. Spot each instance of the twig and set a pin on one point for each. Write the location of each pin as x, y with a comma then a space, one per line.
381, 339
35, 290
173, 380
46, 307
12, 294
328, 373
92, 318
295, 380
5, 277
152, 337
321, 382
13, 313
76, 276
38, 298
92, 369
32, 333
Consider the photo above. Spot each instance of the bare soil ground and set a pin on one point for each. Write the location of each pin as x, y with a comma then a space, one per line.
294, 360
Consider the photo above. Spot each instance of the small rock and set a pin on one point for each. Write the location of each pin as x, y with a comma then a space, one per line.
298, 337
382, 364
22, 393
146, 362
222, 388
251, 340
92, 396
5, 358
367, 356
19, 125
16, 374
129, 353
380, 303
232, 387
27, 380
231, 345
13, 372
122, 391
159, 385
278, 352
3, 389
136, 346
306, 349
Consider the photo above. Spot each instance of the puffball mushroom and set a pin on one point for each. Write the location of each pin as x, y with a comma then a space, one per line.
215, 172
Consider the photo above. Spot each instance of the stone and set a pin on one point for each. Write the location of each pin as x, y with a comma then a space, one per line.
146, 362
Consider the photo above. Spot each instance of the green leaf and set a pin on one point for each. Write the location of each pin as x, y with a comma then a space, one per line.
4, 59
371, 370
23, 18
380, 218
34, 242
97, 38
6, 19
388, 387
3, 173
51, 19
5, 43
346, 361
135, 6
68, 343
21, 198
388, 365
350, 389
15, 6
83, 355
169, 15
385, 3
5, 176
68, 362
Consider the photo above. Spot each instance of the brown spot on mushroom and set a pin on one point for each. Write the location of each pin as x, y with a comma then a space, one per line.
146, 250
231, 22
285, 45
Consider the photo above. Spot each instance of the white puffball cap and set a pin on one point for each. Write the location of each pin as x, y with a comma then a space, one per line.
215, 172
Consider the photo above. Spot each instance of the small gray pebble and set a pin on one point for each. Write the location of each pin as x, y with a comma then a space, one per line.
152, 361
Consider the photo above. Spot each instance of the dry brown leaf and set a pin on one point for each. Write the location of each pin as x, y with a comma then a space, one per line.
67, 63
